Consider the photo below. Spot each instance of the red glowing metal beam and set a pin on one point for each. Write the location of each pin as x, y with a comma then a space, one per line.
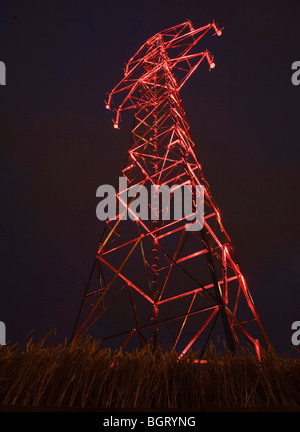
193, 255
197, 290
208, 320
185, 320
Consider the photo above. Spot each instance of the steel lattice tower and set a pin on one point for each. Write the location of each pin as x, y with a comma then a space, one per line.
154, 281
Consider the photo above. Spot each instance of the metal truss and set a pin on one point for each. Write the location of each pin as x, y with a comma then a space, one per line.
154, 281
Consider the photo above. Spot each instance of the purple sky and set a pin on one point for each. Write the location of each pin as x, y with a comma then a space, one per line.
58, 145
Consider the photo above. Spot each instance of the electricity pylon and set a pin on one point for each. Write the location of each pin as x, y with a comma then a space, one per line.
158, 280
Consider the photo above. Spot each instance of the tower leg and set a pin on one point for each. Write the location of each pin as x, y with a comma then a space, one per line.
224, 317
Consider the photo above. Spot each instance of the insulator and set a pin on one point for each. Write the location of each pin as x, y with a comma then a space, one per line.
210, 60
217, 29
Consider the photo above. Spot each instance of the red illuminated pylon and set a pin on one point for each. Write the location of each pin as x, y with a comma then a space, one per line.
154, 280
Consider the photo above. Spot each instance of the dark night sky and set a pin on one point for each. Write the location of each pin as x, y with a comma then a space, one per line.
58, 145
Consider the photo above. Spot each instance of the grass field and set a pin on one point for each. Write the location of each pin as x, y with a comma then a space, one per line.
86, 376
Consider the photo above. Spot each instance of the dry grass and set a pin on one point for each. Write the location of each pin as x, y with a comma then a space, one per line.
83, 376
